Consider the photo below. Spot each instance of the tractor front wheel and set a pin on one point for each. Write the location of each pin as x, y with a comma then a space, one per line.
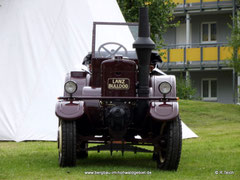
67, 143
167, 148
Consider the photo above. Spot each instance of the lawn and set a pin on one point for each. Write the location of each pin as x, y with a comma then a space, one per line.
217, 150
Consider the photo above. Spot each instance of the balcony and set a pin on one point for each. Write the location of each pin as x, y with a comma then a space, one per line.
196, 56
201, 5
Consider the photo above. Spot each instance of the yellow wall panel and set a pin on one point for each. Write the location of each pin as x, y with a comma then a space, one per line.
176, 55
209, 1
213, 0
225, 53
193, 1
178, 1
163, 54
193, 54
210, 54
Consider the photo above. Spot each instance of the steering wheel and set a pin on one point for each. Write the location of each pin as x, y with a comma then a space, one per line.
111, 53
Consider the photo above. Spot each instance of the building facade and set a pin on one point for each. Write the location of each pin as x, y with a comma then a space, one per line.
198, 48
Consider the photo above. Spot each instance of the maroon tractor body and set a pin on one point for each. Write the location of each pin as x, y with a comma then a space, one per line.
119, 100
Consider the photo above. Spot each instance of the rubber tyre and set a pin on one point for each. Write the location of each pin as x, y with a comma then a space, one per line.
67, 143
169, 156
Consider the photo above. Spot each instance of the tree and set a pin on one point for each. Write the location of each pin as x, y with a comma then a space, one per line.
160, 15
234, 42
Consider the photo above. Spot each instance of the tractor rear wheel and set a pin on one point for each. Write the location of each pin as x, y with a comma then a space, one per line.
67, 143
82, 150
167, 149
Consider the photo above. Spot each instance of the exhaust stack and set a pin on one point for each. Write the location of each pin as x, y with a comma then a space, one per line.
144, 46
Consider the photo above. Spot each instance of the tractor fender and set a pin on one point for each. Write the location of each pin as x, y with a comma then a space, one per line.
69, 110
164, 111
81, 78
157, 80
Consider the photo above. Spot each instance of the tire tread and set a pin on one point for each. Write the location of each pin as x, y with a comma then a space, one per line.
68, 157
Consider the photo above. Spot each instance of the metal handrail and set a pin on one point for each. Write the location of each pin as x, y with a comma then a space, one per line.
195, 45
201, 46
201, 2
201, 5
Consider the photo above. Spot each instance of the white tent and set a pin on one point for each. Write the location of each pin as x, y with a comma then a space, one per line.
40, 41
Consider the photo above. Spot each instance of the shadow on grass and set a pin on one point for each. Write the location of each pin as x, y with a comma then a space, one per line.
33, 156
129, 160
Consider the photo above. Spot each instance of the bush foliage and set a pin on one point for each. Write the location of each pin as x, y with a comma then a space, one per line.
184, 88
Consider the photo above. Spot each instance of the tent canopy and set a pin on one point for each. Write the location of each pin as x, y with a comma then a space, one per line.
40, 41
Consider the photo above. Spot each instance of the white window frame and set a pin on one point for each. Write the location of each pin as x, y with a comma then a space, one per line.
209, 32
209, 98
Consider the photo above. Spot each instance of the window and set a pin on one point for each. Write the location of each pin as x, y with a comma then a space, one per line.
209, 32
209, 89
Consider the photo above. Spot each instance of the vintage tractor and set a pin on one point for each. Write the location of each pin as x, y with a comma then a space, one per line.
120, 101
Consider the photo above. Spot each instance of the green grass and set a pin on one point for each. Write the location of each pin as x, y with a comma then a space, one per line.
216, 149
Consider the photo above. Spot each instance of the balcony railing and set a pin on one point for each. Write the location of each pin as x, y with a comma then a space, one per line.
198, 1
188, 5
196, 55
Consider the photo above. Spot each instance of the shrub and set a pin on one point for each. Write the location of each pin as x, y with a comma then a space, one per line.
184, 88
